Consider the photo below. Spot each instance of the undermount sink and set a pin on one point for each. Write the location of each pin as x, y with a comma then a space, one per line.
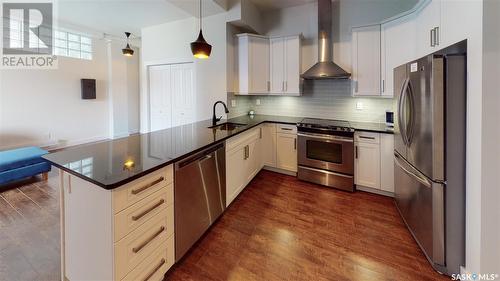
228, 126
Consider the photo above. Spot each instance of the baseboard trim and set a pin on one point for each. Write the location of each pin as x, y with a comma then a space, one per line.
376, 191
281, 171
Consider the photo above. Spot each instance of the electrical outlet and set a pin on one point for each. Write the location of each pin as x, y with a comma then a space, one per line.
233, 103
257, 102
359, 105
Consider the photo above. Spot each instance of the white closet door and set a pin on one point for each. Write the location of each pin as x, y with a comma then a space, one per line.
160, 97
183, 98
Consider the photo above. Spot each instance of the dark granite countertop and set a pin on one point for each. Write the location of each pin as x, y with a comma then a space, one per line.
103, 163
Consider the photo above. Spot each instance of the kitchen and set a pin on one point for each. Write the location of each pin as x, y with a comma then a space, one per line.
340, 157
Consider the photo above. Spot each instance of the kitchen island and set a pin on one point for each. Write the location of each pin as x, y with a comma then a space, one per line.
117, 196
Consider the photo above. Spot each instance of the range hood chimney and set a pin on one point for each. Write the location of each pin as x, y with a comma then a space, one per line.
325, 68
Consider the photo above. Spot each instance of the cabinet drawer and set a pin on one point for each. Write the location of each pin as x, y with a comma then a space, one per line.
286, 129
137, 214
367, 137
142, 242
139, 189
243, 139
154, 267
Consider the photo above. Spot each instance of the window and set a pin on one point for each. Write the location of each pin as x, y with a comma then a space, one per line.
65, 43
72, 45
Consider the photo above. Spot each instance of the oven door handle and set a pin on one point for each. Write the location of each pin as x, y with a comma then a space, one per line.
326, 137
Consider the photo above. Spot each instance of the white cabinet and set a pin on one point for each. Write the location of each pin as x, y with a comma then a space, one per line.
367, 160
398, 41
428, 21
374, 162
366, 61
253, 64
268, 65
243, 162
387, 162
286, 148
268, 144
455, 19
285, 65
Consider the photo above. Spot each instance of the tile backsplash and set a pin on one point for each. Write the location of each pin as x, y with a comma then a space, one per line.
329, 99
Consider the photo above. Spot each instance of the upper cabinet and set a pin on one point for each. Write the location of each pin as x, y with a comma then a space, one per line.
377, 49
366, 61
253, 64
428, 21
268, 65
397, 47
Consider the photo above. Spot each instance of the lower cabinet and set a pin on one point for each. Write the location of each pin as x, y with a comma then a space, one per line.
286, 151
268, 144
374, 161
286, 147
122, 234
243, 161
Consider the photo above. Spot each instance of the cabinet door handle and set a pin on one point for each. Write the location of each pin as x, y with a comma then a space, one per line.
286, 129
162, 262
143, 188
356, 152
260, 133
436, 35
295, 144
145, 243
283, 86
268, 86
148, 210
383, 85
433, 37
286, 86
368, 138
355, 86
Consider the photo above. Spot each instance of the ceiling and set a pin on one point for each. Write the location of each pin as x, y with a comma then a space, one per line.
117, 16
264, 5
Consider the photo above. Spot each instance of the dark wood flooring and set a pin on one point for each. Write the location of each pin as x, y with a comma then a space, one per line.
279, 228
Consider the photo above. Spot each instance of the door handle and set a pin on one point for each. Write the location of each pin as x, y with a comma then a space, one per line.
419, 178
295, 143
268, 86
143, 188
162, 262
148, 210
436, 36
145, 243
356, 152
433, 36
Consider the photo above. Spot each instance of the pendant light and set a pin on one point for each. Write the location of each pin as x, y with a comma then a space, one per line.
127, 51
200, 48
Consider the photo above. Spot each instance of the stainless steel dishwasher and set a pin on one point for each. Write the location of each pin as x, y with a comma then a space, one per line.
200, 195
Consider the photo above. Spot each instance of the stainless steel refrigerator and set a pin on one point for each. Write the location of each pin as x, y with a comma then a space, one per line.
429, 153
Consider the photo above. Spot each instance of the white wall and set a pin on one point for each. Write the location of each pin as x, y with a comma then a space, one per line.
490, 208
44, 107
169, 43
39, 103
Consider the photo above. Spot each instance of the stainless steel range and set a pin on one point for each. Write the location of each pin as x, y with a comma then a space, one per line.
326, 152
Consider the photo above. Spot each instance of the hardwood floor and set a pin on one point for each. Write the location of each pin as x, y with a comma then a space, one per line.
279, 228
29, 231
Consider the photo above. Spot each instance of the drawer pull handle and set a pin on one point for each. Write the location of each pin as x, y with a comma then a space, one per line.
141, 189
147, 211
368, 138
162, 262
286, 129
145, 243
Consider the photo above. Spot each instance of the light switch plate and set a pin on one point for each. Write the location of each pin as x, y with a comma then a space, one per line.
233, 103
257, 101
359, 105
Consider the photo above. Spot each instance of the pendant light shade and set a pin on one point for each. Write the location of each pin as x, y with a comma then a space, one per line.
127, 51
200, 48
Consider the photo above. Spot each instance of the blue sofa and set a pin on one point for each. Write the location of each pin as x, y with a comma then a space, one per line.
22, 163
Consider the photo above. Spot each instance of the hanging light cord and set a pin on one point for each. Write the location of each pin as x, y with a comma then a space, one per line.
200, 14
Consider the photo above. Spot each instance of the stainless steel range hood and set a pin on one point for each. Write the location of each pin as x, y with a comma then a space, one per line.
325, 68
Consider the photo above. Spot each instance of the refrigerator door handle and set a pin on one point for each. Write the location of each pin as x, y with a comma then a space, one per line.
411, 122
420, 178
401, 113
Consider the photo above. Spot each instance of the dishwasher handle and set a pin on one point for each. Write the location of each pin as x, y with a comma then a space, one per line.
205, 154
